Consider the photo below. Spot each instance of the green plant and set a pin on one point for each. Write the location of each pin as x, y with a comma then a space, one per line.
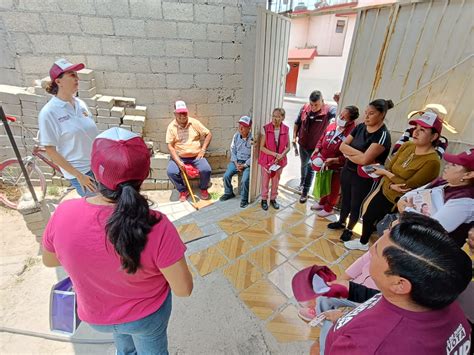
53, 190
214, 195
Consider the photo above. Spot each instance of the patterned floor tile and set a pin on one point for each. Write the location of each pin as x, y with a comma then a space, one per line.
319, 226
273, 224
189, 232
290, 216
242, 274
208, 260
288, 327
304, 208
282, 276
305, 259
233, 246
326, 250
253, 215
334, 236
266, 258
287, 245
255, 235
232, 224
262, 298
303, 233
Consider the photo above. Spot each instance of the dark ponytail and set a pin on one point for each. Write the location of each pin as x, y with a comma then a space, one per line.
353, 112
382, 105
128, 226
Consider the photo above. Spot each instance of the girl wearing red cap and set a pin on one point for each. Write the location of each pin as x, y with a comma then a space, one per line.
67, 128
451, 196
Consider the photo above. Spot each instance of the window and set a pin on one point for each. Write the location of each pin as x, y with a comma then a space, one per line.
340, 26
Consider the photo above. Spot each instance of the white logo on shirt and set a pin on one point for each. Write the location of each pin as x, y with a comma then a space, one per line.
455, 339
350, 316
63, 118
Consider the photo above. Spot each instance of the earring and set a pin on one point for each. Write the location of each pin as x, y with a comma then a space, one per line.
462, 179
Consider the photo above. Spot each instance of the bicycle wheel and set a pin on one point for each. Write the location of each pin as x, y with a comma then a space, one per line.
13, 186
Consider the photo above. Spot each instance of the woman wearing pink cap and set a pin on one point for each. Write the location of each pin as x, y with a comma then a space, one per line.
123, 258
415, 164
67, 128
451, 197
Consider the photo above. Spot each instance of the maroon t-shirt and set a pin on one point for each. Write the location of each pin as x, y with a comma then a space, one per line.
379, 327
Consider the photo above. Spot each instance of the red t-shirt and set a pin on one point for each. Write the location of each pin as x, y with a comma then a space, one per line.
379, 327
106, 294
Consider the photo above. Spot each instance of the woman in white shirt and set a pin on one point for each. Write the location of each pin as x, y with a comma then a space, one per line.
450, 197
67, 128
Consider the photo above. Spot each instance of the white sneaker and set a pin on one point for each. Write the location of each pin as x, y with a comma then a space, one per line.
356, 245
324, 213
317, 207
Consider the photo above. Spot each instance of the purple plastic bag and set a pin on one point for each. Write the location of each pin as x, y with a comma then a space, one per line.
63, 308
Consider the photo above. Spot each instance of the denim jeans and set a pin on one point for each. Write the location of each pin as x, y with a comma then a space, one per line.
307, 172
75, 183
146, 336
324, 304
244, 187
202, 165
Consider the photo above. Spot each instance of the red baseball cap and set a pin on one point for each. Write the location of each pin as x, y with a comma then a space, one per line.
119, 155
180, 107
62, 66
428, 119
245, 121
465, 159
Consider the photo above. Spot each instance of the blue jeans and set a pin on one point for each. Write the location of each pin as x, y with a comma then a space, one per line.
307, 172
244, 187
201, 164
324, 304
146, 336
75, 183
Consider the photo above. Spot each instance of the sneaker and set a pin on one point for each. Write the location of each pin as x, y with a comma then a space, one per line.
316, 207
226, 197
183, 196
336, 225
264, 205
324, 213
307, 314
346, 235
356, 245
243, 204
275, 204
205, 195
303, 198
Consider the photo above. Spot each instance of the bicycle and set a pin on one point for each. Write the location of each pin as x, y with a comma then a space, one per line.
13, 186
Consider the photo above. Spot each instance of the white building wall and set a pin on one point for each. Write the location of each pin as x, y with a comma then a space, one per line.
299, 32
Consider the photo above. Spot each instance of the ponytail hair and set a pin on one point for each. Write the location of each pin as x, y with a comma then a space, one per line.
51, 87
128, 226
382, 105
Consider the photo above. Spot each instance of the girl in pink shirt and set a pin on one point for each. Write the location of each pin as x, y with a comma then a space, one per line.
274, 145
123, 258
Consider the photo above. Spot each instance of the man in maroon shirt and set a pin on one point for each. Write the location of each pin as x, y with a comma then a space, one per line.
309, 126
420, 272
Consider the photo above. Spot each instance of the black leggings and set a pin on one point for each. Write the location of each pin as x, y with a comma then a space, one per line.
377, 208
354, 190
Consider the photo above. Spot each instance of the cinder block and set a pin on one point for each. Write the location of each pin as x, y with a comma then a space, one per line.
28, 120
232, 14
188, 30
179, 81
31, 113
133, 120
105, 102
129, 27
180, 48
148, 184
162, 184
159, 174
86, 84
113, 125
221, 66
207, 49
207, 81
161, 29
208, 14
117, 46
136, 111
164, 65
151, 81
124, 126
30, 97
85, 74
193, 66
149, 144
117, 112
160, 161
180, 12
103, 112
102, 126
22, 22
108, 120
28, 105
8, 95
11, 109
223, 33
97, 25
88, 93
42, 44
124, 101
134, 64
137, 129
39, 90
92, 101
148, 47
62, 23
93, 110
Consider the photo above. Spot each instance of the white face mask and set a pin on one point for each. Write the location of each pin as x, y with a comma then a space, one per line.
340, 122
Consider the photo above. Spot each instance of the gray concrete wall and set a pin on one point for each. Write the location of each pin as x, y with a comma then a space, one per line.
157, 51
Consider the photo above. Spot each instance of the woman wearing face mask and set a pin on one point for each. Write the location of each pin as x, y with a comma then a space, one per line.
368, 143
415, 164
327, 149
452, 196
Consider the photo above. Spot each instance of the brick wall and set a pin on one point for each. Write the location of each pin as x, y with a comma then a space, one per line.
201, 51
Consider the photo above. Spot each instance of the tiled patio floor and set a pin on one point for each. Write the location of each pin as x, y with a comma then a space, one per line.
259, 252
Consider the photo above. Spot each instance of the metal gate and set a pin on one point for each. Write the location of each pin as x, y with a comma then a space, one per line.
273, 34
415, 54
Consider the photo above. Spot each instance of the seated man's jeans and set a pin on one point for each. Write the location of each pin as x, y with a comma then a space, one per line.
147, 335
230, 172
202, 165
82, 192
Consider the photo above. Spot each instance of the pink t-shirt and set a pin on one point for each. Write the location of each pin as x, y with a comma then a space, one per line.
379, 327
106, 294
359, 272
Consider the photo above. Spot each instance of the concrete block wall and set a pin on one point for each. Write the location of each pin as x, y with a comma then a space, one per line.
157, 51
